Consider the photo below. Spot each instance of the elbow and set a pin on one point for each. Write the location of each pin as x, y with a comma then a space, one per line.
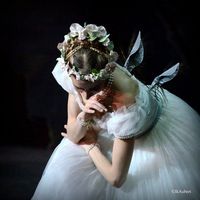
117, 184
118, 181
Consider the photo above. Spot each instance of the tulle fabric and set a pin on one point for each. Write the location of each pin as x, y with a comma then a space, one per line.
165, 162
135, 119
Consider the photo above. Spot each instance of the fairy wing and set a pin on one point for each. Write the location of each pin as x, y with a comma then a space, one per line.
166, 76
136, 55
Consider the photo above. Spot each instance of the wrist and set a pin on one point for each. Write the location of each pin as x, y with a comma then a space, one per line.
92, 147
84, 116
85, 122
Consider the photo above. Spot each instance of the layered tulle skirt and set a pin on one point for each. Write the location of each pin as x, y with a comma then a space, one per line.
165, 163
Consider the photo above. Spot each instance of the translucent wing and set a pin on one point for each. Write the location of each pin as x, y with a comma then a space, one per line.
166, 76
136, 55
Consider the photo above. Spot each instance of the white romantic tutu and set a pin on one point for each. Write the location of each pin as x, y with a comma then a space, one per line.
164, 166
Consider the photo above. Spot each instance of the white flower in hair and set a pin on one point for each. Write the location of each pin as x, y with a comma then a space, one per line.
102, 31
90, 32
89, 35
95, 32
67, 38
91, 28
77, 30
106, 42
87, 77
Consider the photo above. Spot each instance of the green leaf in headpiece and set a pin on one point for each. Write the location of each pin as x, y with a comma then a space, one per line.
94, 71
110, 46
76, 68
63, 53
104, 38
92, 36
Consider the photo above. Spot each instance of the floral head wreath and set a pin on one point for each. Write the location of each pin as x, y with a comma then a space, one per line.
92, 37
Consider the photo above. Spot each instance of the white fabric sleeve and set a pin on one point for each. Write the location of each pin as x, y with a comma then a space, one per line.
136, 119
62, 77
141, 116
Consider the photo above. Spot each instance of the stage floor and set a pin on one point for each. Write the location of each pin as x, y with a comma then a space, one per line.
20, 171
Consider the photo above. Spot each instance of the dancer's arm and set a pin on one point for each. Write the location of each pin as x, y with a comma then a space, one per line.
115, 171
76, 127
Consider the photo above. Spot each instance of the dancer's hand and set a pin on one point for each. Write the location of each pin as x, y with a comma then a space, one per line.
64, 134
92, 105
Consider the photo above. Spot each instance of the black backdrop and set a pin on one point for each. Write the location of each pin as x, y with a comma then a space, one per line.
34, 105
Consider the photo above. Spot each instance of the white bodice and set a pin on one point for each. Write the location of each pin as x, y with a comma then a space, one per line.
126, 121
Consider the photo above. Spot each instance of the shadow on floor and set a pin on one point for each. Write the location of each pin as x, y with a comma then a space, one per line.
20, 171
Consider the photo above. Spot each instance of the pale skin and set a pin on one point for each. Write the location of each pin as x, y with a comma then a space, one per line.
114, 172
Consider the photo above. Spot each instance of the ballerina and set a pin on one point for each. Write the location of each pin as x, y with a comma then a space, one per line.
124, 139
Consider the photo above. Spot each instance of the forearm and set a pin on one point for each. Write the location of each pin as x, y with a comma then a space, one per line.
75, 132
106, 168
103, 165
78, 127
116, 171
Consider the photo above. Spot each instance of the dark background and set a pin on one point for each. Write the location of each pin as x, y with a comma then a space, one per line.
34, 105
